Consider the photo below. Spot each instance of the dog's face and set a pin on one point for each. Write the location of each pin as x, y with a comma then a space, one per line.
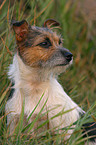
40, 47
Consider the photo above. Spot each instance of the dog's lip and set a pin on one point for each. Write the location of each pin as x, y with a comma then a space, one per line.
62, 64
66, 63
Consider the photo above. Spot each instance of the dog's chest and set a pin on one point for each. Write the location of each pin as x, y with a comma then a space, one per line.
34, 103
48, 97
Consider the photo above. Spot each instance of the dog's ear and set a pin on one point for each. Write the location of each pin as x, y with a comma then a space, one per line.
51, 22
20, 28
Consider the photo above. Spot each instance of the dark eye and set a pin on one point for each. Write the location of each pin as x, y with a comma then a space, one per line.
60, 41
46, 43
43, 43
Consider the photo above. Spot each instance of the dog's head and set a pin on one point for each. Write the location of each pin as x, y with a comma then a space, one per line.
40, 47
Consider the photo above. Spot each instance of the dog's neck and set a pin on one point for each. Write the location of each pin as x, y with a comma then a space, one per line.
23, 75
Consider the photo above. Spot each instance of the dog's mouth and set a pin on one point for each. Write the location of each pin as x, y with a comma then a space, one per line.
66, 63
63, 64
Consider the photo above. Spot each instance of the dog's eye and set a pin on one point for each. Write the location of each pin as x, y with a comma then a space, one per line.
60, 41
43, 43
46, 43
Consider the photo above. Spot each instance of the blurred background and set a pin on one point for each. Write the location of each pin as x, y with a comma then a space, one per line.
78, 28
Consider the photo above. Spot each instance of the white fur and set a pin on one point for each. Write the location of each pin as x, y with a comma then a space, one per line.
28, 83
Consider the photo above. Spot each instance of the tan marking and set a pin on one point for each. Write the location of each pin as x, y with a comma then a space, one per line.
33, 55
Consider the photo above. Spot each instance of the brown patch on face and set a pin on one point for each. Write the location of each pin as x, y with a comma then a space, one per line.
31, 43
34, 55
37, 53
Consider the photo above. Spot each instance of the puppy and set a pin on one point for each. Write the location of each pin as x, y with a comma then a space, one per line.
40, 57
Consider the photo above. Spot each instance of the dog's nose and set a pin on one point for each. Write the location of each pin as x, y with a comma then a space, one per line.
68, 55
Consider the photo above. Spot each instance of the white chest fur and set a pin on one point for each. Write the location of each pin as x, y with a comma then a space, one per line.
27, 87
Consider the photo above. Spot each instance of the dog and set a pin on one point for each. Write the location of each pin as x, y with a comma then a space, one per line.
40, 57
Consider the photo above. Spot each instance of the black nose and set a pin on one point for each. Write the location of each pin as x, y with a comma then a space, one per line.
67, 55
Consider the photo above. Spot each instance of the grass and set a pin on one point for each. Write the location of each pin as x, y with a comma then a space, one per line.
79, 81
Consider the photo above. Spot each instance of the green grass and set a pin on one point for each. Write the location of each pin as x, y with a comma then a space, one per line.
79, 81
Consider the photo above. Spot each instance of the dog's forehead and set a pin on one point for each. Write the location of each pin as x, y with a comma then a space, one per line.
44, 31
41, 29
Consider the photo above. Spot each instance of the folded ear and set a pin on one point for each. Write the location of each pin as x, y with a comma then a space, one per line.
51, 22
20, 28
